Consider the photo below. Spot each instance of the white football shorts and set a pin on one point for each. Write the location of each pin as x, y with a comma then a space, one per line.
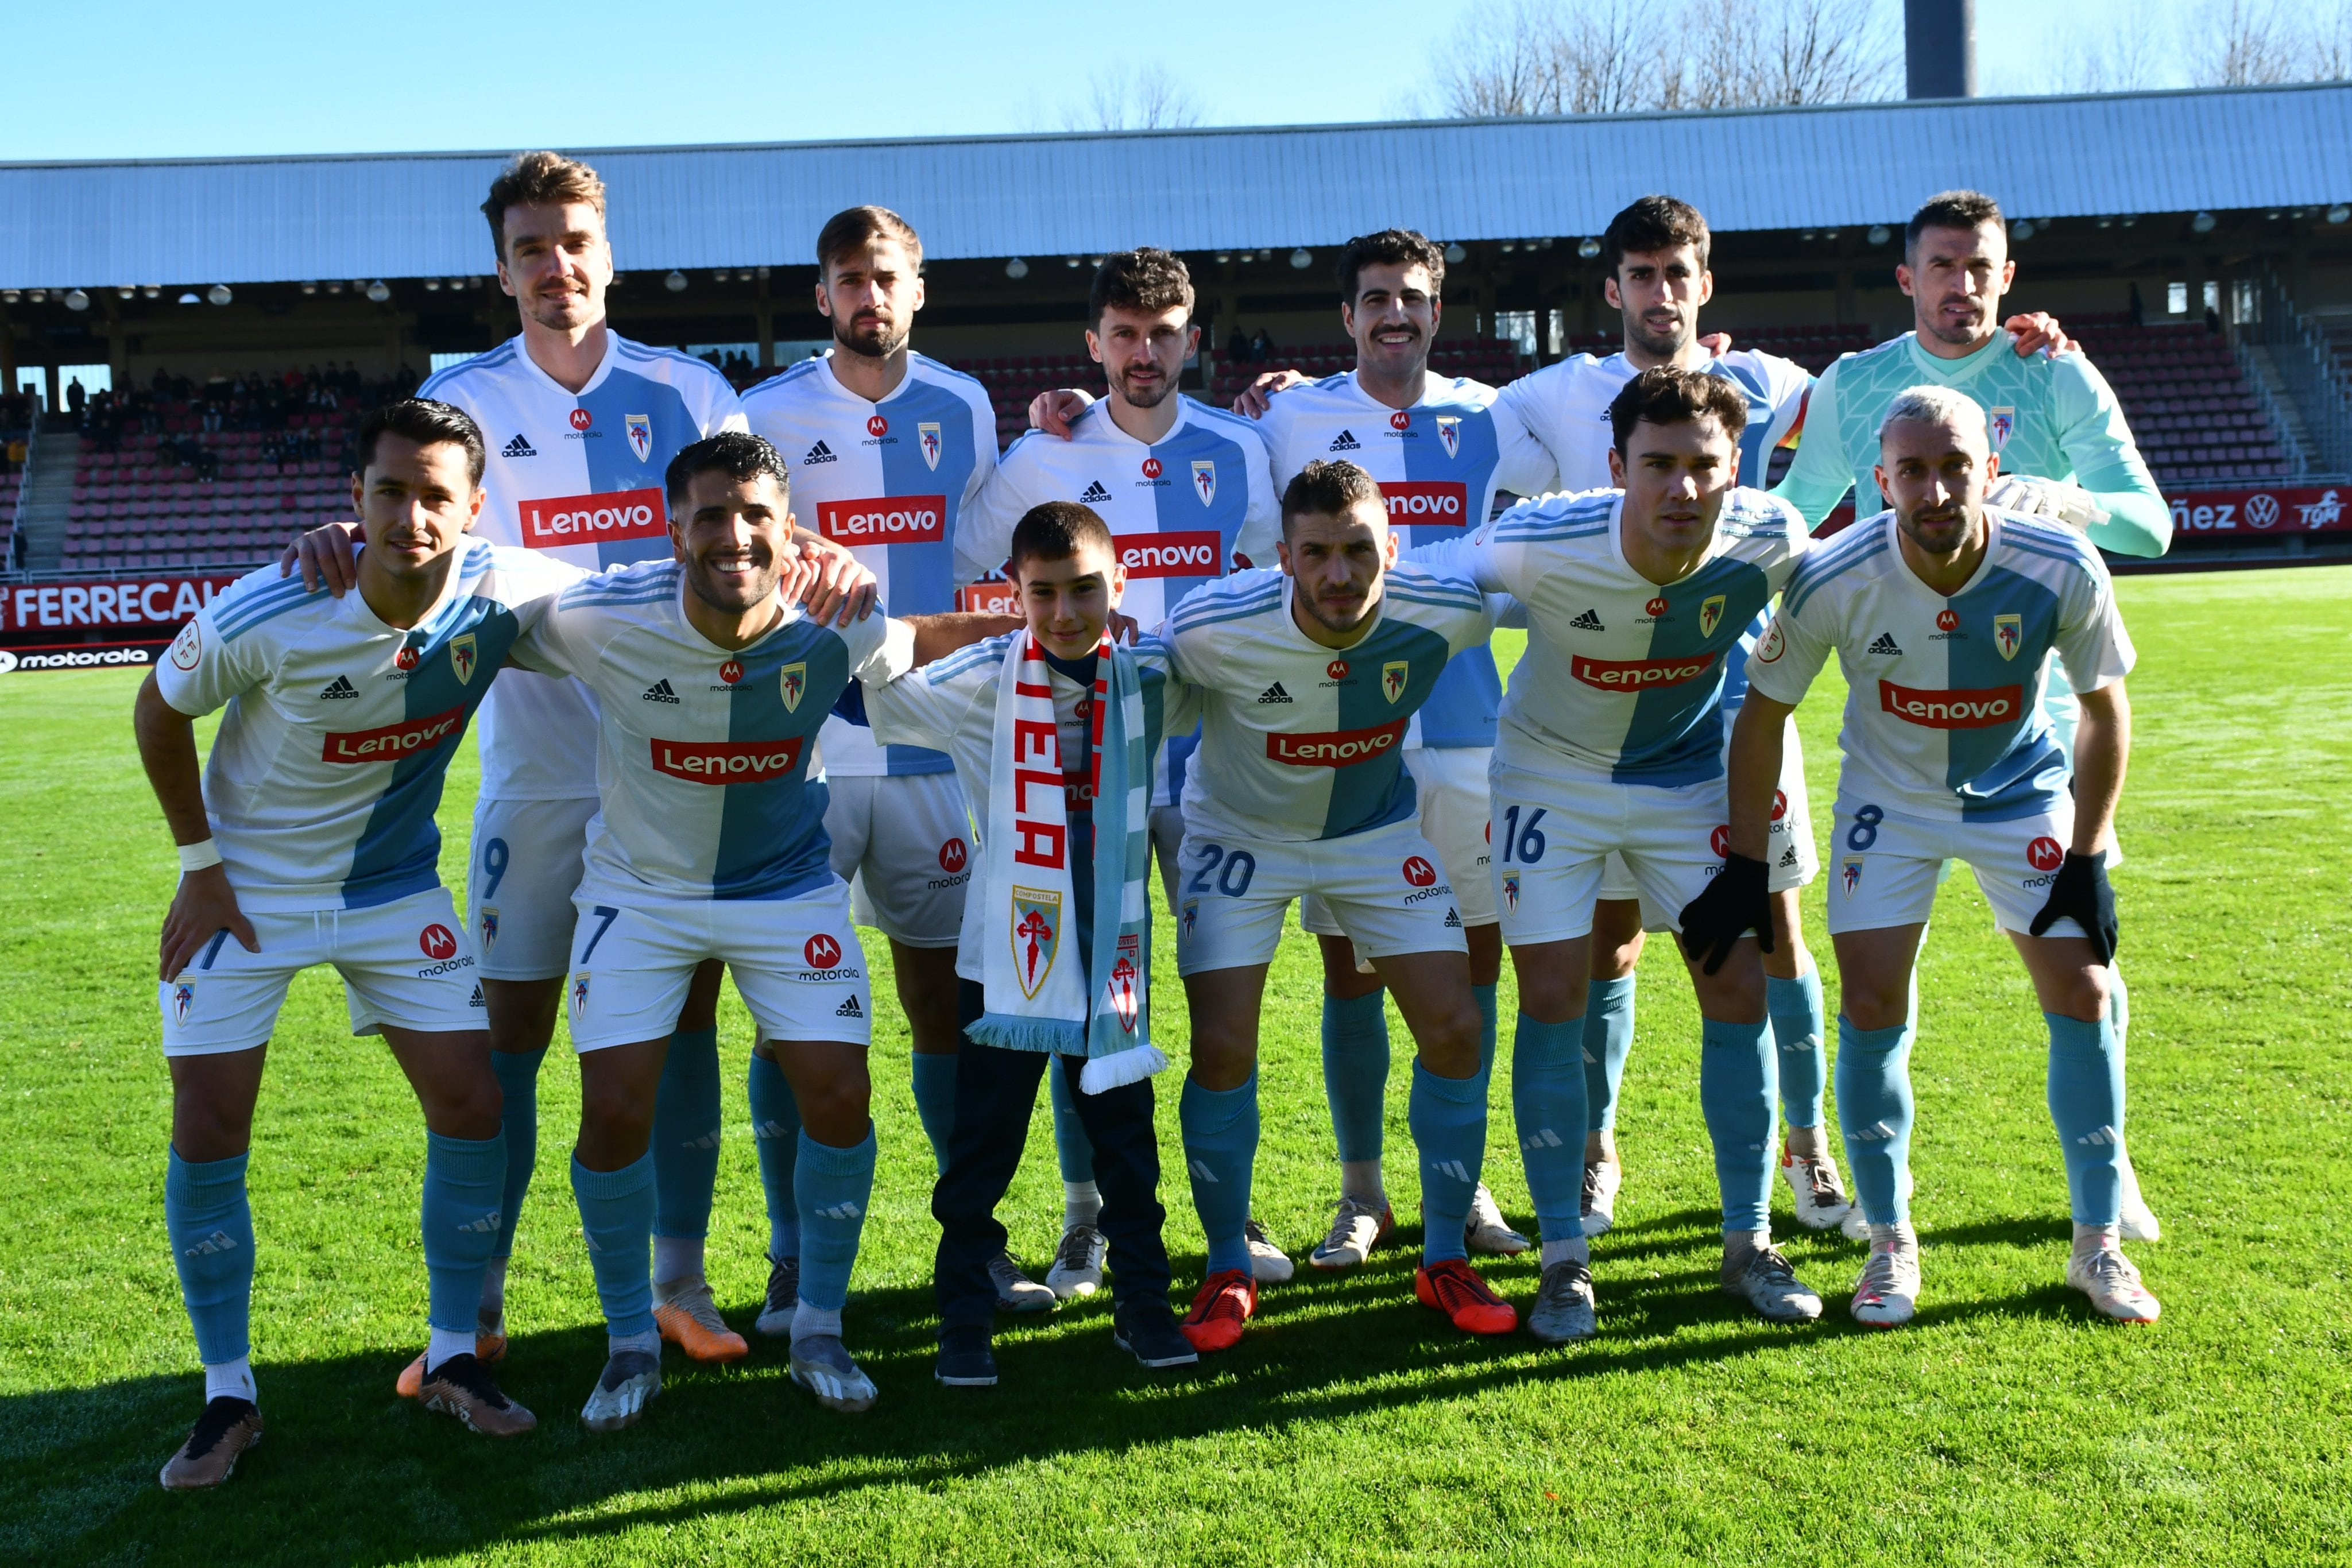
406, 964
903, 841
1883, 868
1386, 885
1790, 858
1451, 782
1553, 836
1168, 848
519, 884
796, 961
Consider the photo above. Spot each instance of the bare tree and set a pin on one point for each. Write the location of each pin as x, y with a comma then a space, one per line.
2104, 60
1147, 100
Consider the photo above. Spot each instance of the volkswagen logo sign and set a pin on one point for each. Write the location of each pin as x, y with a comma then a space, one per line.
2261, 510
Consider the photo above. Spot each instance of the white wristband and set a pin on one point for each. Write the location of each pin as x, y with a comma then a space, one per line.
197, 856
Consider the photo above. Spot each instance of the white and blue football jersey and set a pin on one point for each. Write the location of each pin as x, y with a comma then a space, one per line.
323, 780
578, 477
1438, 464
1623, 678
1182, 512
1944, 716
1301, 742
893, 481
703, 752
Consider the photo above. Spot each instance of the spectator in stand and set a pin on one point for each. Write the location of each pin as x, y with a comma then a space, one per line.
1236, 347
1261, 346
77, 398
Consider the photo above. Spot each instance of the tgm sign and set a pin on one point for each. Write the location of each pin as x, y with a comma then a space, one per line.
122, 601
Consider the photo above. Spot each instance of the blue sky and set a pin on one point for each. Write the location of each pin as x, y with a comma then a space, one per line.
96, 80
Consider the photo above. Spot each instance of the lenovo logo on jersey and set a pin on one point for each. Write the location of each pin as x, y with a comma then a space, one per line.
1639, 675
1979, 709
885, 520
1426, 503
727, 761
1177, 553
592, 519
1338, 747
395, 741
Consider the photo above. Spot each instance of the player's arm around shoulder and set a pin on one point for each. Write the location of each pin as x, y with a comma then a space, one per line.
1823, 471
2107, 463
1204, 625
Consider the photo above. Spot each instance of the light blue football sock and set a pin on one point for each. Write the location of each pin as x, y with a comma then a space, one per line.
1549, 1085
1448, 1118
1356, 1072
833, 1189
2119, 1004
1797, 1031
1874, 1114
616, 1218
518, 1075
2087, 1103
776, 1133
1070, 1141
1607, 1040
1220, 1129
464, 1178
686, 1135
935, 1090
211, 1230
1485, 997
1737, 1081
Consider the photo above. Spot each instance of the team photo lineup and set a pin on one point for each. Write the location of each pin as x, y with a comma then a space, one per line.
816, 656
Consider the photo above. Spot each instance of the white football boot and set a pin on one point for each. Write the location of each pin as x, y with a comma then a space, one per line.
1486, 1232
1269, 1264
2098, 1268
1887, 1294
630, 1381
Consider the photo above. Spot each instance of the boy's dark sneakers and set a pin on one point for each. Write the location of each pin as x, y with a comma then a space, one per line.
228, 1426
1148, 1333
965, 1360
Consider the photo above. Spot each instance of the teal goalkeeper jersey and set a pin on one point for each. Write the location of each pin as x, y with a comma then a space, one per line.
2050, 417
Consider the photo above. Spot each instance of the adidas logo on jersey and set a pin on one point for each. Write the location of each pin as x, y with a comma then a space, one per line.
849, 1009
518, 447
1095, 492
820, 452
476, 1000
1454, 920
1345, 441
1273, 693
659, 692
337, 689
1886, 645
1589, 621
1789, 857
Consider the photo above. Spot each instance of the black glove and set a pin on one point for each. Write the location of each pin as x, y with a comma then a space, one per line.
2081, 890
1736, 903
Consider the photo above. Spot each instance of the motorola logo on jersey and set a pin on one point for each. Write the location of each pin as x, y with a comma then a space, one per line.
1181, 552
1655, 607
592, 519
1947, 621
1400, 420
953, 855
393, 741
727, 761
1338, 747
2045, 853
1419, 872
1336, 669
1639, 675
1975, 709
582, 419
1151, 469
822, 951
731, 670
405, 659
1719, 840
885, 520
1780, 804
437, 941
877, 425
1426, 503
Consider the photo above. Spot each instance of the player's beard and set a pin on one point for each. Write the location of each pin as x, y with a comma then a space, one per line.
881, 344
1946, 539
1321, 614
1669, 348
1148, 396
554, 311
1960, 336
727, 595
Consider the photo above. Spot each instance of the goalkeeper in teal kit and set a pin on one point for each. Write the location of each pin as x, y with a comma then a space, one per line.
2065, 452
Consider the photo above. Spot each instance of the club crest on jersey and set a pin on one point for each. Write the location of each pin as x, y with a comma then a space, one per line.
1710, 612
462, 656
579, 993
1511, 891
793, 682
2008, 634
927, 437
1036, 937
489, 929
1851, 873
1449, 431
184, 998
2000, 423
1191, 915
1394, 675
639, 429
1204, 480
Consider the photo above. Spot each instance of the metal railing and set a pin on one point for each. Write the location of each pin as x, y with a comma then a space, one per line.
2300, 355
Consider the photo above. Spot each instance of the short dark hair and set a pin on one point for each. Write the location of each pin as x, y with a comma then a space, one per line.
1145, 279
733, 453
1949, 209
1391, 247
1655, 224
1665, 396
540, 179
1056, 530
427, 422
1330, 490
861, 226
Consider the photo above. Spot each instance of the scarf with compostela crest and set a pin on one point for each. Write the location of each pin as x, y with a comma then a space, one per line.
1041, 994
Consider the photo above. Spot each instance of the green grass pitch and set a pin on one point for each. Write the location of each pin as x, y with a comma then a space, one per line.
1352, 1425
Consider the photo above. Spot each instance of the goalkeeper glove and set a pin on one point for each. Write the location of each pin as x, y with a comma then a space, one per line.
2053, 498
2080, 892
1734, 903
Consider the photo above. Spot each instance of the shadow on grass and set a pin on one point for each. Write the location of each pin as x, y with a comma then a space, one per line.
350, 1474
